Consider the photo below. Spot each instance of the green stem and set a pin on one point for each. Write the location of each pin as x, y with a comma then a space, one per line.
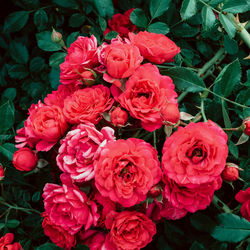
218, 55
26, 210
216, 201
203, 111
210, 6
42, 8
182, 96
155, 139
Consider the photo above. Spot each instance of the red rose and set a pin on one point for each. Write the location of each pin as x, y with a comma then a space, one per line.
24, 159
246, 123
6, 243
1, 173
120, 60
43, 128
57, 234
156, 48
87, 105
68, 207
147, 94
230, 173
131, 230
195, 154
80, 148
82, 56
118, 116
121, 24
191, 197
244, 198
126, 171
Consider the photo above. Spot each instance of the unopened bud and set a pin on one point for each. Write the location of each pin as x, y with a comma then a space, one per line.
155, 191
1, 172
246, 126
231, 172
56, 36
118, 116
170, 113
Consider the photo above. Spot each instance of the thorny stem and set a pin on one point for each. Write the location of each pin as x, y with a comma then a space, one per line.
26, 210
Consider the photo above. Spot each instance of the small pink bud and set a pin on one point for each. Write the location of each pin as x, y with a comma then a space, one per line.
88, 77
170, 113
56, 36
155, 191
118, 116
246, 124
231, 172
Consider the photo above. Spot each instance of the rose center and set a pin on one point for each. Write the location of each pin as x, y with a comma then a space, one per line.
196, 154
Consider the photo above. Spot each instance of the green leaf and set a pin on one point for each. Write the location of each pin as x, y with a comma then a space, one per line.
19, 52
36, 196
76, 20
18, 71
236, 6
185, 30
103, 23
15, 21
233, 149
231, 228
9, 93
66, 3
13, 223
208, 18
81, 247
37, 64
230, 45
40, 18
158, 7
111, 35
54, 76
227, 25
36, 89
226, 118
56, 59
72, 37
45, 43
48, 246
228, 78
158, 28
138, 18
197, 246
185, 79
188, 9
104, 7
8, 149
202, 222
2, 225
7, 113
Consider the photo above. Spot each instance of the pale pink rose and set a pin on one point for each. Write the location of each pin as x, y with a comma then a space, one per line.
43, 128
126, 170
80, 148
69, 207
82, 56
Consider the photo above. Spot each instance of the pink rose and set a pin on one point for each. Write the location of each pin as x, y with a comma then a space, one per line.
147, 94
43, 128
230, 173
69, 207
244, 198
126, 170
24, 159
156, 48
131, 230
118, 116
195, 154
82, 56
80, 148
57, 234
87, 105
6, 243
191, 197
2, 174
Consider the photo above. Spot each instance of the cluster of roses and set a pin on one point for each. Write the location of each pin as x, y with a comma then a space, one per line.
119, 174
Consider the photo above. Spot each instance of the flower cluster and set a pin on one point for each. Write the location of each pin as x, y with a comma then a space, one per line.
120, 82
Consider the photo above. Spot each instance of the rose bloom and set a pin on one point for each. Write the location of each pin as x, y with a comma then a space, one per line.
156, 48
131, 230
191, 197
244, 198
121, 60
87, 105
82, 55
6, 243
195, 154
1, 173
57, 234
118, 116
246, 123
121, 24
147, 93
126, 171
68, 207
43, 128
24, 159
80, 148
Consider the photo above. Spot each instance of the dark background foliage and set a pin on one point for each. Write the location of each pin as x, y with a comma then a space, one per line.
29, 65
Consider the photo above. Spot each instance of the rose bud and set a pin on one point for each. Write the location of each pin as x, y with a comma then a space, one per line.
1, 172
170, 113
56, 36
118, 116
24, 159
231, 172
246, 124
155, 191
88, 77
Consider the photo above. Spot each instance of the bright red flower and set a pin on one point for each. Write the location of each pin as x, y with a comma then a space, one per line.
244, 198
24, 159
6, 243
